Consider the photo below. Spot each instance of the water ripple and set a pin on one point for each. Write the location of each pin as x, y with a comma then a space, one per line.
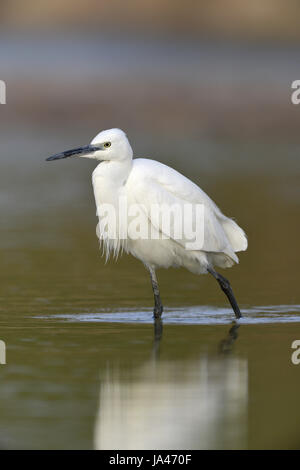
196, 315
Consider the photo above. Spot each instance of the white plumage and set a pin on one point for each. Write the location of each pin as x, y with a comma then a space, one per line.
146, 182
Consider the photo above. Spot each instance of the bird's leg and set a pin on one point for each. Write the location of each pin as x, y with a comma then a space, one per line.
158, 306
158, 330
226, 288
227, 343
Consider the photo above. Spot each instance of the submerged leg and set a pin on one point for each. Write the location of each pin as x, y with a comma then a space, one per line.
158, 330
226, 288
227, 343
158, 306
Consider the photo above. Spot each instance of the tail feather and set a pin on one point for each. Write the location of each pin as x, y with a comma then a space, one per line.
235, 235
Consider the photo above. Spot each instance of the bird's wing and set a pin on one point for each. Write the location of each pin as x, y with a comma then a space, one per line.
153, 183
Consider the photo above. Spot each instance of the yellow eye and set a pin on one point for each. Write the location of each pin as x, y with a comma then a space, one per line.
107, 144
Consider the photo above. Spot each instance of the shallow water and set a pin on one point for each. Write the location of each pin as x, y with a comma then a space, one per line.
196, 315
85, 367
74, 384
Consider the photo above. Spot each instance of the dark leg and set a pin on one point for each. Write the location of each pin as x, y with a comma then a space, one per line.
226, 288
158, 330
158, 306
227, 343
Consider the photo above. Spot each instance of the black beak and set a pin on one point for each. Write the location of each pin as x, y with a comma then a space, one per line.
74, 152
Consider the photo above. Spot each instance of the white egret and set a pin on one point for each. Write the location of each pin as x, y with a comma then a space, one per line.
150, 183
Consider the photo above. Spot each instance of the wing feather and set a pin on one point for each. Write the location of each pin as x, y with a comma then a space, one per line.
152, 182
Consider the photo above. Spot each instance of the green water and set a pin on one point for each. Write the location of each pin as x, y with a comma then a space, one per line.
74, 380
84, 367
73, 385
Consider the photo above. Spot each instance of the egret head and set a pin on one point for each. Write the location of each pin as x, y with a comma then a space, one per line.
108, 145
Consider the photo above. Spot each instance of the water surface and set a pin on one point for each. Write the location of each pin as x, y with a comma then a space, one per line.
85, 366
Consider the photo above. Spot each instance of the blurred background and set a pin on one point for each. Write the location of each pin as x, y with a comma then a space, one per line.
202, 86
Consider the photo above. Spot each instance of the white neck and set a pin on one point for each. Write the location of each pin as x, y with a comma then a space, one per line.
112, 173
109, 179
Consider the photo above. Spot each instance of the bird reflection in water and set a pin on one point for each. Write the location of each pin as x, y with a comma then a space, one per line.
227, 343
176, 404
